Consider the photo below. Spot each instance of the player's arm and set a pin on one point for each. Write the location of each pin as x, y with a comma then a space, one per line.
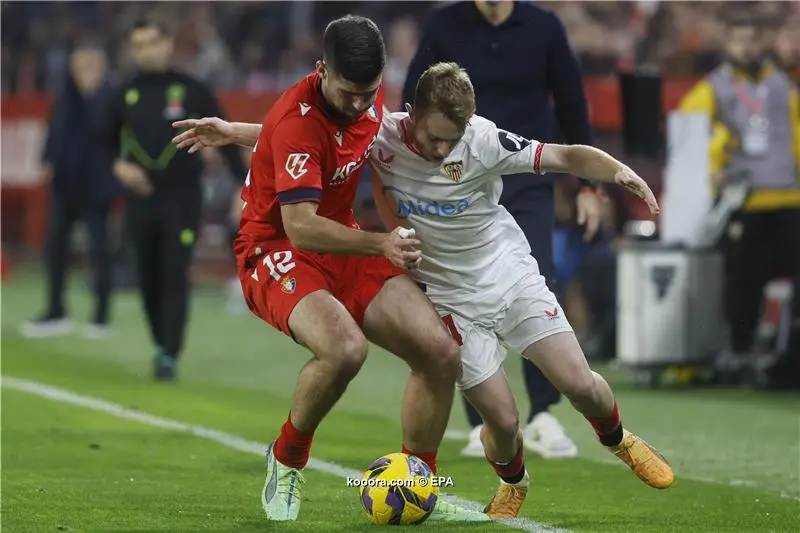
592, 163
297, 154
309, 231
503, 152
390, 222
213, 131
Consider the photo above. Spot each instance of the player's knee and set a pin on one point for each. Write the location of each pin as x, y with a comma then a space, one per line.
504, 424
347, 355
449, 357
444, 360
581, 388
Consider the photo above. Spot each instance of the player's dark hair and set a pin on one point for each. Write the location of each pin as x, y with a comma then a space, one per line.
447, 89
353, 48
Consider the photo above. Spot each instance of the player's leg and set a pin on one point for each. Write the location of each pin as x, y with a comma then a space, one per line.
288, 290
484, 384
533, 209
396, 315
536, 326
402, 320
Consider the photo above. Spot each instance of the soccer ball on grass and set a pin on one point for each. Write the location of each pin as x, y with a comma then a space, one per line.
397, 489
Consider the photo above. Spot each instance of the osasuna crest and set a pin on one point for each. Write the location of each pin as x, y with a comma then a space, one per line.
511, 141
454, 170
288, 285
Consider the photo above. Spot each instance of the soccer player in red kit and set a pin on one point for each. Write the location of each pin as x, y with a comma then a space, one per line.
307, 269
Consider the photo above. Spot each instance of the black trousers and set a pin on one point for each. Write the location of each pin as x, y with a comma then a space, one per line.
757, 247
163, 231
63, 216
533, 211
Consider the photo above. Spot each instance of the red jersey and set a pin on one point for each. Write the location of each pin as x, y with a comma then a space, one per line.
304, 155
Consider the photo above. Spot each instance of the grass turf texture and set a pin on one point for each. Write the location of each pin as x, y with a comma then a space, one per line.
736, 453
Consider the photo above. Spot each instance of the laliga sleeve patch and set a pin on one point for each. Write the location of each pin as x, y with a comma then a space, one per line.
511, 141
296, 165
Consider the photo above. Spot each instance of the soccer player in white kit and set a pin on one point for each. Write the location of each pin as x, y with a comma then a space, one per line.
438, 172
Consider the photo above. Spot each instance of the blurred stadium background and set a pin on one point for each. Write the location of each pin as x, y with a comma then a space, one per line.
251, 51
634, 56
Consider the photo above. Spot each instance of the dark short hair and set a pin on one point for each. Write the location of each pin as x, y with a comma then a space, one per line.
151, 22
353, 47
447, 89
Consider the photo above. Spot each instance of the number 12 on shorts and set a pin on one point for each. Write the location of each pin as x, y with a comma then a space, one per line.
279, 263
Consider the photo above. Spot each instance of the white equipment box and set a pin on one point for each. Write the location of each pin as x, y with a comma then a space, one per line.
669, 306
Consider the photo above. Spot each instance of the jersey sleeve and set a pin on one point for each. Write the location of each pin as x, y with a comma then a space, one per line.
503, 152
297, 150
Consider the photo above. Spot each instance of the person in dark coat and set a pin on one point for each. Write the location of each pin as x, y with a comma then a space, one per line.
77, 164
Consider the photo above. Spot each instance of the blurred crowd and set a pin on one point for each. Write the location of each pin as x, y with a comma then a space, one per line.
263, 46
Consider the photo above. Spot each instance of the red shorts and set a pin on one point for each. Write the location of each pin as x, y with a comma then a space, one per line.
282, 276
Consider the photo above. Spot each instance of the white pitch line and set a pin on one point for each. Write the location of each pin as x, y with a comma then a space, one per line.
226, 439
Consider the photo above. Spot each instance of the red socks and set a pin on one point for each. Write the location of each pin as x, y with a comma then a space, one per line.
292, 446
429, 458
512, 472
608, 428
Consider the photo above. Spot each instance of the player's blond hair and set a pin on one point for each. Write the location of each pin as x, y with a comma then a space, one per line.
447, 89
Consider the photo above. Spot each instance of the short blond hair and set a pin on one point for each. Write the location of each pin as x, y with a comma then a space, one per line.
447, 89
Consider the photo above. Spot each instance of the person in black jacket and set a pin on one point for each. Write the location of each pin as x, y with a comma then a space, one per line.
518, 57
77, 166
166, 201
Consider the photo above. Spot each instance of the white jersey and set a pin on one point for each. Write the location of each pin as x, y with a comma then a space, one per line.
472, 248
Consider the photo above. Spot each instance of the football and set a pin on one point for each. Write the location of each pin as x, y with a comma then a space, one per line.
397, 489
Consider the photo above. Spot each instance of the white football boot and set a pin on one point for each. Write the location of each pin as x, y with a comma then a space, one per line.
545, 436
281, 495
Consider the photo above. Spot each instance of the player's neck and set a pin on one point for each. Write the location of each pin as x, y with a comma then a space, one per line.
495, 13
328, 109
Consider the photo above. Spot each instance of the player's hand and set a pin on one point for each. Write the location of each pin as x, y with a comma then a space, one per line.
203, 132
133, 177
402, 248
588, 207
628, 179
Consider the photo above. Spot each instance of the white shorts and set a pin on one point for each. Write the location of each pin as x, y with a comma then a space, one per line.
528, 313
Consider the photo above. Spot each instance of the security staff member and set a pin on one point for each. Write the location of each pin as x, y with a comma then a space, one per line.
518, 56
165, 207
755, 117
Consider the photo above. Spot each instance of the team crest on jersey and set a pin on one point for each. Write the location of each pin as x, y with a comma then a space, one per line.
454, 170
372, 113
288, 285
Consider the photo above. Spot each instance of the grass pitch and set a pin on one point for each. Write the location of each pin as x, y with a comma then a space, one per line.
69, 468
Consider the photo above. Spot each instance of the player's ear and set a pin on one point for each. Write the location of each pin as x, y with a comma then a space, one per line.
321, 68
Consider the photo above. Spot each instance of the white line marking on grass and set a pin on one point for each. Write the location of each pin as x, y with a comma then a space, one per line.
226, 439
